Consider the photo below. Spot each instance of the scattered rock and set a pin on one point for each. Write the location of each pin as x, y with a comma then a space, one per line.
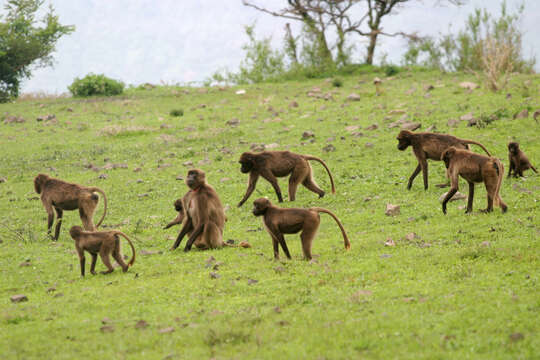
257, 147
103, 176
137, 169
368, 145
457, 196
51, 289
293, 104
252, 281
107, 329
14, 119
392, 210
516, 337
329, 148
411, 126
411, 91
233, 122
411, 236
353, 97
110, 166
308, 134
352, 128
467, 117
169, 329
452, 122
485, 244
468, 85
18, 298
25, 263
188, 163
165, 126
272, 146
214, 275
240, 92
141, 324
429, 87
2, 180
149, 252
523, 114
277, 309
372, 127
389, 242
279, 269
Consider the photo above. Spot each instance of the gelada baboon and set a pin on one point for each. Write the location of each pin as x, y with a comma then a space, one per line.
60, 195
518, 160
273, 164
278, 221
178, 206
104, 243
475, 168
429, 146
205, 217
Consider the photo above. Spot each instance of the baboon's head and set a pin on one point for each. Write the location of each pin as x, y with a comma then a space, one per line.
260, 206
39, 182
247, 160
513, 147
404, 139
195, 179
447, 155
75, 232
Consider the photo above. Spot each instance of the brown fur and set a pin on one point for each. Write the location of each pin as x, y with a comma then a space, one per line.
205, 217
60, 195
273, 164
179, 206
430, 146
104, 243
278, 221
475, 168
518, 160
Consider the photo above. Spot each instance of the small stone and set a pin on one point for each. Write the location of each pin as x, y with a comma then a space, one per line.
523, 114
468, 85
429, 87
485, 244
214, 275
372, 127
389, 242
293, 104
240, 92
308, 134
516, 337
188, 163
411, 126
536, 115
233, 122
466, 117
252, 281
353, 97
452, 122
244, 244
2, 180
137, 169
25, 263
103, 176
368, 145
107, 329
166, 330
180, 177
141, 324
329, 148
272, 146
18, 298
392, 210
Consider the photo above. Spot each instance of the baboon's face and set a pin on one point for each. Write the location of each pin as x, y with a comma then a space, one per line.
260, 206
247, 163
513, 147
75, 231
195, 178
178, 205
403, 141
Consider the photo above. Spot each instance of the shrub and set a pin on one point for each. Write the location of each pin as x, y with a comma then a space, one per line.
337, 82
390, 70
177, 112
93, 84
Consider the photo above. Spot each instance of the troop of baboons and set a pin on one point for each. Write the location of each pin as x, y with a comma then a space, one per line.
201, 213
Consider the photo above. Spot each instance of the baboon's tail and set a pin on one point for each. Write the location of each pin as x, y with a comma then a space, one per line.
500, 170
104, 203
309, 157
345, 237
475, 143
132, 261
533, 169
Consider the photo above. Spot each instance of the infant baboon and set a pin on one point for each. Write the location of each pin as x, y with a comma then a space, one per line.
518, 160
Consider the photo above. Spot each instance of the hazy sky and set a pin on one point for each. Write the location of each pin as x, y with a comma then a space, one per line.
174, 41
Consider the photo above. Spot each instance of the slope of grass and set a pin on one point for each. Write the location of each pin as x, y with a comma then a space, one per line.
466, 286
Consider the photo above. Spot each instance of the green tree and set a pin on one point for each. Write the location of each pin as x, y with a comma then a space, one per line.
24, 45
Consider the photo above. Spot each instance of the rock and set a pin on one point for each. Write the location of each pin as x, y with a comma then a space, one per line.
329, 148
18, 298
411, 91
523, 114
396, 112
353, 97
2, 180
536, 115
25, 263
252, 281
272, 146
368, 145
14, 119
392, 210
188, 163
141, 324
244, 244
352, 128
257, 147
372, 127
466, 117
137, 169
308, 134
240, 92
429, 87
214, 275
472, 122
107, 329
452, 122
233, 122
389, 242
293, 104
516, 337
169, 329
411, 126
468, 85
457, 196
164, 126
103, 176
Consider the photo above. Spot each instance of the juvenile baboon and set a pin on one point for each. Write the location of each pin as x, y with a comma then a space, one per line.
273, 164
279, 221
178, 205
429, 146
104, 243
518, 160
60, 195
205, 217
475, 168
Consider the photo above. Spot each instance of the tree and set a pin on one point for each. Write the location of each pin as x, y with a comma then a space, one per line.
24, 45
322, 16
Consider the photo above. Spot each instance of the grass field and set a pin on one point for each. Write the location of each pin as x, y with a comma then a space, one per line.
466, 286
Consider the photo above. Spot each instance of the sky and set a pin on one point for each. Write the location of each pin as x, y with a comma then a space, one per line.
186, 41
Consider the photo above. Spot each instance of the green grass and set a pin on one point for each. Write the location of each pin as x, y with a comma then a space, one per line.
467, 288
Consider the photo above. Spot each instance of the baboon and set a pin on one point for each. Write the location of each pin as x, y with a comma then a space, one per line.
60, 195
104, 243
278, 221
205, 217
273, 164
518, 160
429, 146
178, 205
475, 168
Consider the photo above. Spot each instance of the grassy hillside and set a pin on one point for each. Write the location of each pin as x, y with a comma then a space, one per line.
465, 286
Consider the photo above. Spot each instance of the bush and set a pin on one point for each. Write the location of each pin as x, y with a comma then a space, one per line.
390, 70
177, 112
337, 82
93, 84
